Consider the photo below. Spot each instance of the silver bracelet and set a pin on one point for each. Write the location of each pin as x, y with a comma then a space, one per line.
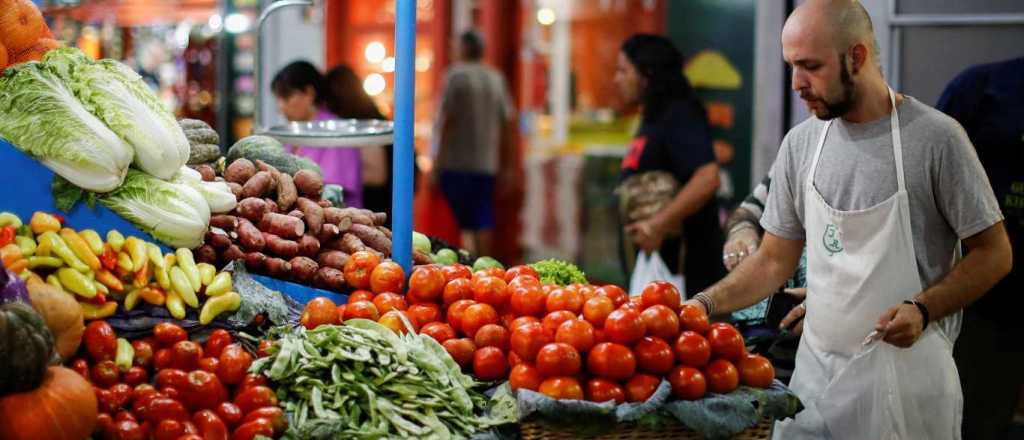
706, 301
739, 226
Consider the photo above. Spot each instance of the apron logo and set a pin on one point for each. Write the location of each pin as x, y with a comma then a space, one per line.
831, 240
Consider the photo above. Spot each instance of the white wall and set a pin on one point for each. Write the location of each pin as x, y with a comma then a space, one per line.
289, 36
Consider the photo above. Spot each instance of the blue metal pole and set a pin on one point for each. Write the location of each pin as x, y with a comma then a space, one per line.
405, 78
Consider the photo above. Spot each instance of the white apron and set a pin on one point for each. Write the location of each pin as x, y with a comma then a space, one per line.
860, 263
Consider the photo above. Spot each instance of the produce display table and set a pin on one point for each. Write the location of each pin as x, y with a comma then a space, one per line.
535, 431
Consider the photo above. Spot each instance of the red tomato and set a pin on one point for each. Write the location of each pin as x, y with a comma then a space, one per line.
387, 277
562, 388
210, 426
661, 321
104, 400
164, 408
218, 339
81, 366
461, 350
603, 390
527, 300
142, 390
361, 310
756, 371
100, 341
492, 335
477, 316
694, 319
555, 319
319, 311
527, 339
654, 355
726, 343
614, 293
597, 309
125, 430
514, 359
489, 363
252, 380
230, 413
721, 376
274, 414
692, 350
388, 301
171, 392
522, 320
249, 430
687, 383
105, 374
209, 364
611, 361
255, 398
491, 272
455, 312
439, 331
624, 326
264, 348
425, 313
558, 359
577, 333
135, 376
599, 336
234, 363
203, 391
564, 299
459, 288
524, 281
660, 292
393, 320
361, 295
168, 334
359, 267
506, 317
163, 358
641, 387
341, 313
186, 355
143, 356
121, 395
490, 290
517, 271
455, 271
169, 430
524, 376
427, 283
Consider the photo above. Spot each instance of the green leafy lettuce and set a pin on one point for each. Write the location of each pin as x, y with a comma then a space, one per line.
173, 213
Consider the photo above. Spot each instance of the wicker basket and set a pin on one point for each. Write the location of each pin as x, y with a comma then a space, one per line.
531, 430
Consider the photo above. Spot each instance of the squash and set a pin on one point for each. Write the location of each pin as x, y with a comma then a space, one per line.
3, 57
62, 314
26, 347
34, 52
271, 151
21, 24
62, 408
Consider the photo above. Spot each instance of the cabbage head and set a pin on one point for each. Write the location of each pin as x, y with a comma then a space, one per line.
176, 214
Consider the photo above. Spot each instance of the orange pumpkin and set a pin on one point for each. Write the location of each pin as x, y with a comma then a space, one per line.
36, 51
62, 408
21, 24
3, 57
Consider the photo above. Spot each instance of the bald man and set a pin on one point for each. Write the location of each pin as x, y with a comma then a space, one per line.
881, 188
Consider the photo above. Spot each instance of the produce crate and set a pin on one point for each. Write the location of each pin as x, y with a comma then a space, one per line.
531, 430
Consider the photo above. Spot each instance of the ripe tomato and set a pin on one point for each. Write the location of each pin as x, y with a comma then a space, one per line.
641, 387
209, 364
525, 280
599, 336
341, 313
726, 343
661, 322
105, 374
459, 288
558, 359
492, 335
252, 380
234, 363
142, 390
461, 350
692, 350
388, 301
100, 341
126, 430
562, 388
162, 359
361, 309
143, 356
564, 299
577, 333
425, 313
171, 377
597, 309
169, 430
203, 391
687, 383
135, 376
527, 339
456, 271
490, 290
588, 291
524, 376
722, 376
694, 319
230, 413
660, 292
527, 300
361, 295
393, 320
477, 316
272, 413
756, 371
603, 390
255, 398
121, 394
439, 331
168, 334
427, 283
489, 363
654, 355
506, 317
522, 320
210, 426
455, 312
164, 408
491, 272
218, 339
514, 359
319, 311
611, 361
555, 319
614, 293
249, 430
387, 277
517, 271
186, 355
624, 326
359, 267
264, 348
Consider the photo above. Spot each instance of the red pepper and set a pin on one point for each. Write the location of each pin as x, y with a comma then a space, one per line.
108, 259
99, 299
7, 235
60, 218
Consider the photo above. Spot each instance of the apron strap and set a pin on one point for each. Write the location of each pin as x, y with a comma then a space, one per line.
817, 153
897, 144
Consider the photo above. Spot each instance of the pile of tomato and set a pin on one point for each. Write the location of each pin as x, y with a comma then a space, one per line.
571, 342
177, 389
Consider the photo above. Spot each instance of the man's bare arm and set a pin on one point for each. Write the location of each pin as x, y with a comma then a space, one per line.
758, 276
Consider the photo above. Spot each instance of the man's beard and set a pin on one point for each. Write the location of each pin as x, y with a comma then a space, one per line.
846, 99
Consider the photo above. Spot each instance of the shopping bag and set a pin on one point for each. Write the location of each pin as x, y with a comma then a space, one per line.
649, 268
887, 392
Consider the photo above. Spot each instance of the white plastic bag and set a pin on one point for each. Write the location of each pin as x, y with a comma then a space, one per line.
889, 393
650, 267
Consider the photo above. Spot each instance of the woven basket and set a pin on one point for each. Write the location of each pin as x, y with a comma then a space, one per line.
531, 430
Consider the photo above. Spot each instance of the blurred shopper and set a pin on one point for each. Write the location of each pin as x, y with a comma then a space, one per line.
347, 100
474, 128
301, 93
674, 138
988, 100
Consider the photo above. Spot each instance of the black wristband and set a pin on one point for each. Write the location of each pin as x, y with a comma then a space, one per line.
922, 309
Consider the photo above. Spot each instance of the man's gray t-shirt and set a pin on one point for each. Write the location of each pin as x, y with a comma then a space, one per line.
477, 104
950, 196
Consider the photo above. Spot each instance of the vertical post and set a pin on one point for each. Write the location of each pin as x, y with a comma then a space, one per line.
405, 77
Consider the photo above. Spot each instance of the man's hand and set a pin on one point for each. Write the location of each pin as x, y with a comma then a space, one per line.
742, 243
646, 234
697, 304
902, 325
797, 313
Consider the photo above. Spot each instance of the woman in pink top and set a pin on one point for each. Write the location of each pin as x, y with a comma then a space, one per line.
301, 94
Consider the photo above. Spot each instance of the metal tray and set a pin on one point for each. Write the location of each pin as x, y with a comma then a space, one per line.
334, 133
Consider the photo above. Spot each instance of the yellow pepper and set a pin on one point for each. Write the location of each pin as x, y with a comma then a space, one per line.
170, 260
9, 219
206, 273
175, 305
137, 250
100, 288
115, 240
93, 239
9, 254
91, 311
52, 280
80, 248
124, 262
141, 278
153, 295
188, 265
45, 262
162, 279
27, 245
62, 250
18, 266
155, 256
77, 283
220, 285
43, 249
131, 299
227, 302
108, 279
42, 222
181, 286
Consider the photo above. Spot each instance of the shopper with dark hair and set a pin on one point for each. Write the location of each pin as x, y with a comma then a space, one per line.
302, 95
673, 144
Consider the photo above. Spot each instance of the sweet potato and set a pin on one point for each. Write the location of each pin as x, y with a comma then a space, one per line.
286, 192
236, 189
309, 246
380, 218
257, 185
385, 231
325, 203
421, 258
297, 214
280, 247
335, 259
309, 183
303, 269
254, 261
283, 225
252, 209
372, 237
328, 233
232, 253
207, 172
206, 254
218, 239
225, 222
277, 267
329, 278
249, 237
351, 244
312, 213
345, 224
337, 215
263, 166
240, 171
272, 206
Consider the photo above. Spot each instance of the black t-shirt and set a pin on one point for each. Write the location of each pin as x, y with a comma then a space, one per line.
679, 142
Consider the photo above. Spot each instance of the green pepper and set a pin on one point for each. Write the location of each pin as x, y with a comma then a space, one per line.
46, 262
62, 250
27, 245
125, 354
